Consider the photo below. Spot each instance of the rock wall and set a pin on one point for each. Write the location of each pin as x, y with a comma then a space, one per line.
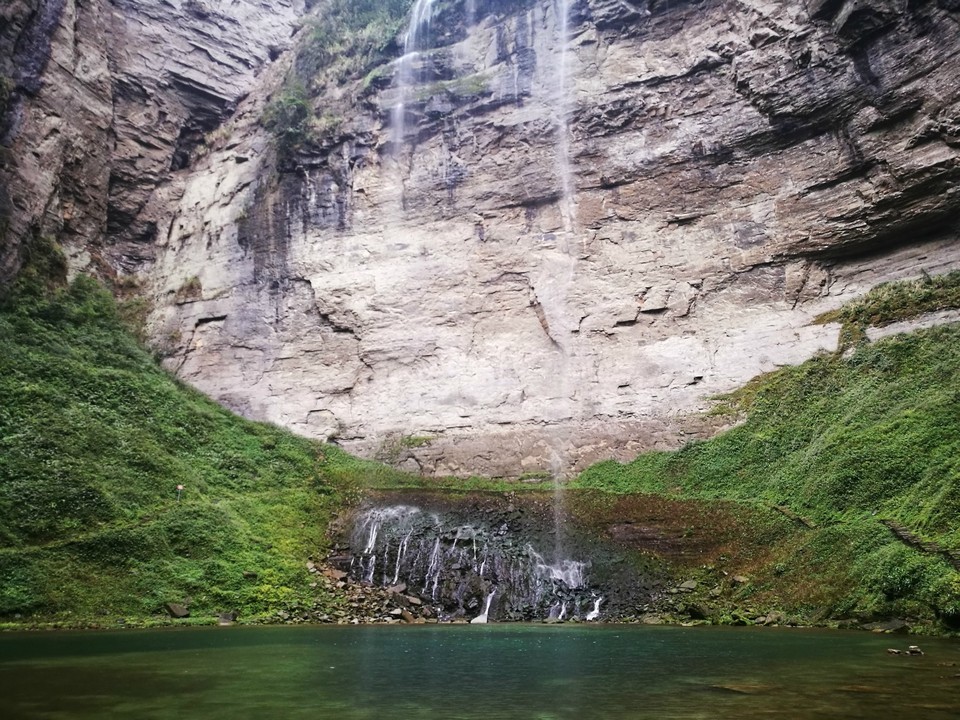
106, 103
737, 168
575, 244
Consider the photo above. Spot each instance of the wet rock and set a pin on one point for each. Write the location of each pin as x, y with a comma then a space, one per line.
176, 610
227, 618
697, 611
887, 626
914, 650
688, 586
406, 615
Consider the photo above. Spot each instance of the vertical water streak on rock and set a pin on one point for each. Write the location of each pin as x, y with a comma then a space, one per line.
563, 107
420, 17
595, 613
483, 617
441, 558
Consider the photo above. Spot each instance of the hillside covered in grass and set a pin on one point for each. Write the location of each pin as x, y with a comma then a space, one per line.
94, 440
847, 441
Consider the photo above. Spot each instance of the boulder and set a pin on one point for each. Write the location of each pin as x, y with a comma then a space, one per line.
887, 626
176, 610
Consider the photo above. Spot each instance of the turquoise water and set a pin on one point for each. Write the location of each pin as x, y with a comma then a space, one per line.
493, 672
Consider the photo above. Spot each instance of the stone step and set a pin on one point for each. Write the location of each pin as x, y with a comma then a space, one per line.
926, 546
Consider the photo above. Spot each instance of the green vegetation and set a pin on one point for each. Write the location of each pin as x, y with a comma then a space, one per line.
6, 89
191, 289
348, 37
344, 39
895, 301
847, 442
95, 439
289, 118
467, 86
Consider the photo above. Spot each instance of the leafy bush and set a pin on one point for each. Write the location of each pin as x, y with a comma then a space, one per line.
288, 118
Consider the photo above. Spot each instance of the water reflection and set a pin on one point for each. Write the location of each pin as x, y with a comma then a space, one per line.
493, 672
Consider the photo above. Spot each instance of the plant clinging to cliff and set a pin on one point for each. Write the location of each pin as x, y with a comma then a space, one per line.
347, 38
288, 118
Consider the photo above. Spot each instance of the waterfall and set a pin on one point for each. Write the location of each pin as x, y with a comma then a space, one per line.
563, 108
451, 563
420, 17
560, 268
481, 619
595, 613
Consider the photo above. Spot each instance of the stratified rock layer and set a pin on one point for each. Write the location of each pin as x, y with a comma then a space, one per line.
105, 102
737, 169
576, 243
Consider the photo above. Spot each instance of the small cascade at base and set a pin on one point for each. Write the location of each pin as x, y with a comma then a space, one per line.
457, 567
482, 617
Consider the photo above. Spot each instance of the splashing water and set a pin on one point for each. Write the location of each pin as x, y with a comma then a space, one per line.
453, 565
372, 522
568, 572
481, 619
595, 613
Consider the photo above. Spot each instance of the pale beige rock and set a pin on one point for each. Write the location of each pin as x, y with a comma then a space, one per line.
738, 168
438, 294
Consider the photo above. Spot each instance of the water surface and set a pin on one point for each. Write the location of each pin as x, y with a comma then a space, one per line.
493, 672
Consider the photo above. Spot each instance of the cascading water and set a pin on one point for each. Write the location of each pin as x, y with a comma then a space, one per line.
457, 567
595, 613
413, 39
481, 619
560, 266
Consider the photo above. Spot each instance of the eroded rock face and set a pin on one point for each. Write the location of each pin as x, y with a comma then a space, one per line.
736, 169
108, 102
576, 243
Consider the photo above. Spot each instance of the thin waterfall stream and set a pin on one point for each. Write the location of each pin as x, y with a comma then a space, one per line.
419, 27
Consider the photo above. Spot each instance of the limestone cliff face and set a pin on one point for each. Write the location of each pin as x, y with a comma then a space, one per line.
106, 102
735, 169
574, 243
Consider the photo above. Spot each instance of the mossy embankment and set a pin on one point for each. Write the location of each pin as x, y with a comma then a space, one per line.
847, 442
94, 440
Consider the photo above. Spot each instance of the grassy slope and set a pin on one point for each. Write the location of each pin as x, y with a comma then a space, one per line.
846, 440
94, 439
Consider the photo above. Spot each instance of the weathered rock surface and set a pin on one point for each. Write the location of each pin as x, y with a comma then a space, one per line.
460, 302
737, 167
108, 100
